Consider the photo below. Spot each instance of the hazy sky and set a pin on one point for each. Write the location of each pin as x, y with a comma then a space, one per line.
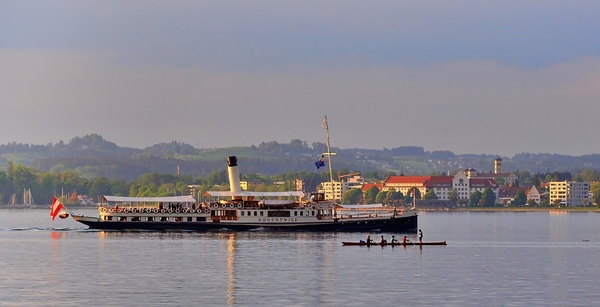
493, 77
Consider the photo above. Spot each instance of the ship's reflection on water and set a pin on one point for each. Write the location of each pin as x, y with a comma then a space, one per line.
230, 267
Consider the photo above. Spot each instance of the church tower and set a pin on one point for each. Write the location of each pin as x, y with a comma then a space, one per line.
497, 166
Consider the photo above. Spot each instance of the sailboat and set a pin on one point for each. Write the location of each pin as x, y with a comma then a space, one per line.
28, 198
13, 200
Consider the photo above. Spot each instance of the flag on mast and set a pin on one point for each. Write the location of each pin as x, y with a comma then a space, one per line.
55, 208
320, 163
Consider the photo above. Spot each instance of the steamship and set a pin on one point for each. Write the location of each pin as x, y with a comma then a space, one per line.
239, 210
244, 210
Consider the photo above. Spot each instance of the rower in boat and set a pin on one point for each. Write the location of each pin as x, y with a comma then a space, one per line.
382, 241
369, 241
408, 243
405, 240
393, 240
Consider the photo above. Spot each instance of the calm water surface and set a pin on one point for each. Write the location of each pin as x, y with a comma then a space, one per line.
492, 259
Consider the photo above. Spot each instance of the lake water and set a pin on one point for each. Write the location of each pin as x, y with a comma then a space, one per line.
492, 259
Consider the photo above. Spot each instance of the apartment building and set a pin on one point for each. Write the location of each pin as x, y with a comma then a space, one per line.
570, 193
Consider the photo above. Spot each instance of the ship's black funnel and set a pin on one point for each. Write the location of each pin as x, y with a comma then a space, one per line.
232, 161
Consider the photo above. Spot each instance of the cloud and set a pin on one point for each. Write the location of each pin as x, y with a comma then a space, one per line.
273, 35
467, 76
464, 106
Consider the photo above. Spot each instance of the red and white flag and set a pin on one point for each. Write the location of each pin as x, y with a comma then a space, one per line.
56, 207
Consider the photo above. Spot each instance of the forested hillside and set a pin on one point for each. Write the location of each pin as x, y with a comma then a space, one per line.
92, 156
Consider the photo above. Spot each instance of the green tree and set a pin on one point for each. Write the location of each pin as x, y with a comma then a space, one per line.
520, 198
119, 187
535, 181
453, 195
588, 175
394, 197
5, 188
100, 187
488, 197
523, 176
353, 196
430, 195
474, 198
68, 182
371, 194
381, 197
46, 188
20, 176
595, 188
217, 178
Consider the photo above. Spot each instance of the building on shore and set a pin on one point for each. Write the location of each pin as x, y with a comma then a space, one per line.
510, 179
337, 188
570, 193
441, 185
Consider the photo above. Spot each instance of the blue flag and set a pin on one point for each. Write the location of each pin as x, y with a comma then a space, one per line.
320, 163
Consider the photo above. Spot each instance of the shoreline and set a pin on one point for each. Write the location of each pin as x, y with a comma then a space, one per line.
45, 207
458, 209
523, 209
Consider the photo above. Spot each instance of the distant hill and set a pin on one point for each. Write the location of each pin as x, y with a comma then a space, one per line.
93, 156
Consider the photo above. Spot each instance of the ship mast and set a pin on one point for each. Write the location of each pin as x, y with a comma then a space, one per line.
329, 154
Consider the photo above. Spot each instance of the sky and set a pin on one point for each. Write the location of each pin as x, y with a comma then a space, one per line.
481, 77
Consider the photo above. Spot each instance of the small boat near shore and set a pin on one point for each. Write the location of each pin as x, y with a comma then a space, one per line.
362, 243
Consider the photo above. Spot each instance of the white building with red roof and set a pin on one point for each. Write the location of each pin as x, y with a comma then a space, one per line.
405, 183
441, 185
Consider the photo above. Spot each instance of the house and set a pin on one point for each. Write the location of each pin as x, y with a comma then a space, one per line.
533, 194
507, 194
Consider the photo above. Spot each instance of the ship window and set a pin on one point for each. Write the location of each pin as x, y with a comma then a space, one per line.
295, 213
278, 213
242, 213
301, 213
313, 213
123, 219
189, 219
150, 219
261, 213
109, 218
255, 213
